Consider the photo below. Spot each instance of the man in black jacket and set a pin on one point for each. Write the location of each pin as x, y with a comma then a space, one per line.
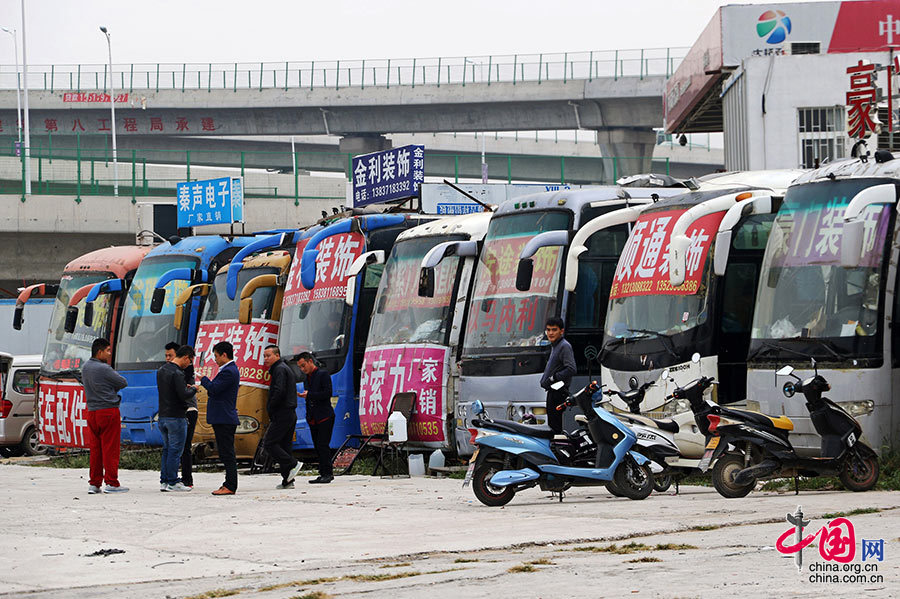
319, 413
560, 367
282, 409
174, 398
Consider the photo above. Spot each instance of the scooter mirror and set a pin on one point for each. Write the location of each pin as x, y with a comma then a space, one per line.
477, 407
785, 371
557, 385
664, 375
696, 358
789, 390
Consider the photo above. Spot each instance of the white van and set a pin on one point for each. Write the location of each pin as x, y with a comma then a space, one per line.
18, 383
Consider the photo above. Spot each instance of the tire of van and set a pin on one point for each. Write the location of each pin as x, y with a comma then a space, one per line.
31, 444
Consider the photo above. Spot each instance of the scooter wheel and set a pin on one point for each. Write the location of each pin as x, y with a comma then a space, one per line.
860, 472
723, 474
661, 484
613, 489
487, 493
635, 481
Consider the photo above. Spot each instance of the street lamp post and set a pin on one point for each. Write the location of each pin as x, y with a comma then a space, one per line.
12, 32
112, 110
484, 169
27, 148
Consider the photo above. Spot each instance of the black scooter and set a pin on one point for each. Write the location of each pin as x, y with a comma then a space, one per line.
749, 446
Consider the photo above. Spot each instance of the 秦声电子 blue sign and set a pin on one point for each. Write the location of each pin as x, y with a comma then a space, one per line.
210, 202
389, 175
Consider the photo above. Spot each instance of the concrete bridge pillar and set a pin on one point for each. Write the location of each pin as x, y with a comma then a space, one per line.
364, 144
632, 148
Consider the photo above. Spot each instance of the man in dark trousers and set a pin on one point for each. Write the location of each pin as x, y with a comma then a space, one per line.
319, 413
174, 398
101, 393
221, 411
560, 367
282, 409
187, 461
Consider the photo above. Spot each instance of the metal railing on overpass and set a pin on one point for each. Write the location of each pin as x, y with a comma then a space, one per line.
85, 171
338, 74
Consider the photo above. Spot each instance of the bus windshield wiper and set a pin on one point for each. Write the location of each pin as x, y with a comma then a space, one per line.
765, 348
830, 346
666, 339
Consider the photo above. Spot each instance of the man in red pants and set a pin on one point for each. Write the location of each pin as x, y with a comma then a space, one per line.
101, 387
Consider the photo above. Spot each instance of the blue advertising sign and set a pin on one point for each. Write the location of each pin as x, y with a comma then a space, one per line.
393, 174
210, 202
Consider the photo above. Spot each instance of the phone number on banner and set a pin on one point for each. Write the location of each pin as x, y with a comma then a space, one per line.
383, 190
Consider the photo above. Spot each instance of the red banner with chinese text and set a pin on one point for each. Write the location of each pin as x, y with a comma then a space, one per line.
501, 261
402, 288
248, 340
336, 254
643, 268
62, 414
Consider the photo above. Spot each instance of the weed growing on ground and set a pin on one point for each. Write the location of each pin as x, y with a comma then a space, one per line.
855, 512
313, 595
464, 560
215, 593
647, 559
402, 565
521, 568
542, 562
674, 546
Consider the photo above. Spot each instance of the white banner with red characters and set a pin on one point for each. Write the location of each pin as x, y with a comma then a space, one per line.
501, 260
402, 286
644, 265
336, 254
248, 340
62, 414
392, 369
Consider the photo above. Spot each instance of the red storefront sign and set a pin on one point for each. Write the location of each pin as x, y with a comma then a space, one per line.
393, 369
62, 414
336, 254
644, 265
248, 340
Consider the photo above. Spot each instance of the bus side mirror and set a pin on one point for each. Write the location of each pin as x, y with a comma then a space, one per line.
71, 319
88, 314
524, 274
303, 311
426, 282
350, 293
379, 307
851, 243
246, 310
133, 324
159, 298
179, 315
486, 305
17, 317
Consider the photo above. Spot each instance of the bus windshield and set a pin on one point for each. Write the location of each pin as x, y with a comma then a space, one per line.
144, 334
68, 351
401, 315
804, 292
500, 316
219, 307
642, 301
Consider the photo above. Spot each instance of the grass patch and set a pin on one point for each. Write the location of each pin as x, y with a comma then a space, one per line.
393, 576
464, 560
215, 593
297, 583
313, 595
855, 512
647, 559
402, 565
674, 546
129, 459
888, 477
616, 549
521, 568
542, 562
702, 527
458, 474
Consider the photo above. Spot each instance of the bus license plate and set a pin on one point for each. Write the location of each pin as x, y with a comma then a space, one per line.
471, 470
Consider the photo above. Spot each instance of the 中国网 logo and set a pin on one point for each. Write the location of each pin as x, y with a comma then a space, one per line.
774, 26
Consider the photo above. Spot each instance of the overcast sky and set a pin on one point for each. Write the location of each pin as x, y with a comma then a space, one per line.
66, 31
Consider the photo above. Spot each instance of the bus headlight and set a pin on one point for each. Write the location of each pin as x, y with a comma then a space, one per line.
858, 408
247, 424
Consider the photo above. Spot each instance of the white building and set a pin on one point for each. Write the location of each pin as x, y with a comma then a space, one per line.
774, 80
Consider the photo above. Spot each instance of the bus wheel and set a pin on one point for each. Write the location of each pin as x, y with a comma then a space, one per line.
723, 474
487, 493
860, 471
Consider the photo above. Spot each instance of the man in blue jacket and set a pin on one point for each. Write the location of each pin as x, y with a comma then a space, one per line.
221, 411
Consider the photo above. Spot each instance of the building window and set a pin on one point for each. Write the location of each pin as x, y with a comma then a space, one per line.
821, 135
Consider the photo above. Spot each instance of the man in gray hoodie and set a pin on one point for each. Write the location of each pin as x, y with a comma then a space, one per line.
101, 388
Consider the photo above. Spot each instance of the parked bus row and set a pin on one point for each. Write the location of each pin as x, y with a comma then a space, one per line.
750, 270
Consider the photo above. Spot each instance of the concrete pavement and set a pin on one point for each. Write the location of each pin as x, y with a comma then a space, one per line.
409, 538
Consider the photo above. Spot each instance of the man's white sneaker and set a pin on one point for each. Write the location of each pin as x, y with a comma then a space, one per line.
293, 473
119, 489
163, 487
92, 490
178, 487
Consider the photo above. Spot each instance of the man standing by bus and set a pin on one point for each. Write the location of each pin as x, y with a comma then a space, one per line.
187, 460
282, 409
101, 393
175, 397
221, 411
319, 413
560, 367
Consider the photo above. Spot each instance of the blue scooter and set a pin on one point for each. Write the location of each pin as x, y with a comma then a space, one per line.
510, 457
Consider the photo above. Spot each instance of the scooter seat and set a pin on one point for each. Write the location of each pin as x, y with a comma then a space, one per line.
532, 430
667, 425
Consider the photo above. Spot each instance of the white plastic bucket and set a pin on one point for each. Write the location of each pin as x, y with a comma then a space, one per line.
416, 464
397, 428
